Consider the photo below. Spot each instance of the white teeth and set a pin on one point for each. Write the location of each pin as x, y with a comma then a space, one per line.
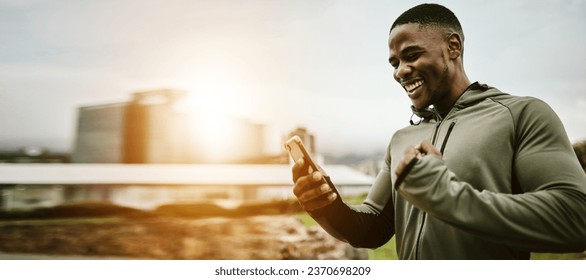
411, 87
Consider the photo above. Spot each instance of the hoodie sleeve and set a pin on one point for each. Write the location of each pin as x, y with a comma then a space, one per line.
549, 216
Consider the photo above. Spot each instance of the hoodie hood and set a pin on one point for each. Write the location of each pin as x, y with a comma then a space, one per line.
474, 94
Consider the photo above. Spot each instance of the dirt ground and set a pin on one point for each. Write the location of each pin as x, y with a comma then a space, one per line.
253, 237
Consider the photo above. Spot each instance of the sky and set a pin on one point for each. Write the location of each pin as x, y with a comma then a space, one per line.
321, 64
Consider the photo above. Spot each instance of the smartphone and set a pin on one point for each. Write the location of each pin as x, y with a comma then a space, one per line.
297, 151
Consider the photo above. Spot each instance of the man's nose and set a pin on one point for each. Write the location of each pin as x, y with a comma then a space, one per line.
403, 71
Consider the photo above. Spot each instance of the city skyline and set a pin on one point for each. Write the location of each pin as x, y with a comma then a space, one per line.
320, 65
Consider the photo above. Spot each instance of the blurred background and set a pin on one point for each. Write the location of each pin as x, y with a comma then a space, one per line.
181, 108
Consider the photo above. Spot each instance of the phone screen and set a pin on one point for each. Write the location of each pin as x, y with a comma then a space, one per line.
297, 151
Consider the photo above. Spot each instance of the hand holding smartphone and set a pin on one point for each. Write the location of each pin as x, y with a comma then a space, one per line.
311, 196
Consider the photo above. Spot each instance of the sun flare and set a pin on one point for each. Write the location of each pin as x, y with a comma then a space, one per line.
215, 105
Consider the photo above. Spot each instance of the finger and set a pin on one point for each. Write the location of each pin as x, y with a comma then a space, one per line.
319, 203
426, 147
299, 169
307, 182
410, 151
314, 193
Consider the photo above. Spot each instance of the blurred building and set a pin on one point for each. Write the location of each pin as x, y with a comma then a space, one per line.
100, 133
159, 127
156, 129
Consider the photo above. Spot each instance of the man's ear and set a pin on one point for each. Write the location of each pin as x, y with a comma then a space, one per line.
455, 46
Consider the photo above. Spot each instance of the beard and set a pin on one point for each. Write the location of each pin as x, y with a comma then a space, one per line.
442, 88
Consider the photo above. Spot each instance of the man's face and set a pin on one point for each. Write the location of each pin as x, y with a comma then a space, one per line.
420, 61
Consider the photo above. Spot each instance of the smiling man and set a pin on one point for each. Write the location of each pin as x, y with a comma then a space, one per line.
480, 174
427, 58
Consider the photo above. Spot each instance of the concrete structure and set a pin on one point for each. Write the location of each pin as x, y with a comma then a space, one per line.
100, 134
149, 185
156, 130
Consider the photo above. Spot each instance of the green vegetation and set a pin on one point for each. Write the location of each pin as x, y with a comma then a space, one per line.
549, 256
385, 252
306, 219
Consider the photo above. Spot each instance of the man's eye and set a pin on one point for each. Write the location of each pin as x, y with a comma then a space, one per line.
411, 56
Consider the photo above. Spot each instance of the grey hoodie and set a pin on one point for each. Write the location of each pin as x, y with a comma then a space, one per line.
508, 183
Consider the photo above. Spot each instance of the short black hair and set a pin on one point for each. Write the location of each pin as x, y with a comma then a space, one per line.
430, 14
